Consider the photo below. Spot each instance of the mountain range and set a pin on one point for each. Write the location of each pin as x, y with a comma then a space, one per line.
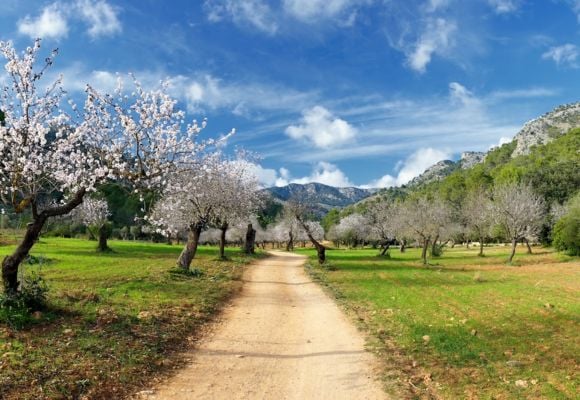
536, 132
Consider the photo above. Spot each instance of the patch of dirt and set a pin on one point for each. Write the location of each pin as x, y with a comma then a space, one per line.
282, 338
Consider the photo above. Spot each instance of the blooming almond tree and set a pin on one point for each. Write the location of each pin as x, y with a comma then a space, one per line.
380, 215
95, 213
518, 211
215, 192
240, 198
49, 159
313, 230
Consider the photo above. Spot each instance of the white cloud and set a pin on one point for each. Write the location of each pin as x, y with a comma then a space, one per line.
200, 93
315, 10
321, 128
502, 140
461, 95
327, 174
269, 177
413, 166
523, 93
435, 5
437, 38
504, 6
324, 172
565, 55
100, 16
256, 13
51, 23
575, 4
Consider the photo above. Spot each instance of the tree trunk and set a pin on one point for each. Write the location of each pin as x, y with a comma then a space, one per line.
103, 246
249, 247
480, 246
424, 252
11, 263
468, 243
188, 253
513, 252
290, 244
434, 246
224, 229
403, 246
385, 249
528, 245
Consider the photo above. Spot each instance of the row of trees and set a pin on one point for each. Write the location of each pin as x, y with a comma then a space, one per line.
511, 212
55, 155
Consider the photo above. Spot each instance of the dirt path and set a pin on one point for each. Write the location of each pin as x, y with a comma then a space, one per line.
282, 338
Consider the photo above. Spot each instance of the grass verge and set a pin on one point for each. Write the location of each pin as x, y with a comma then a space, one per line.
115, 320
466, 327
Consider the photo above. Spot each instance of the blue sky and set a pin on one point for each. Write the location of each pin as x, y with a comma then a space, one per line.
344, 92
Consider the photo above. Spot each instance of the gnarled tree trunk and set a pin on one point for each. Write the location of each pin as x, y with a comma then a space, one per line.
188, 253
403, 246
528, 245
385, 248
103, 233
223, 229
290, 244
480, 246
249, 246
424, 252
11, 263
513, 252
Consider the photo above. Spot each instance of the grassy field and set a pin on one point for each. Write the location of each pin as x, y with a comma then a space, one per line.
466, 327
114, 318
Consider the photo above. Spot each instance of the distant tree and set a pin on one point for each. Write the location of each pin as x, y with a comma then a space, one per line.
330, 219
567, 228
477, 214
354, 229
425, 219
94, 213
313, 230
380, 215
518, 211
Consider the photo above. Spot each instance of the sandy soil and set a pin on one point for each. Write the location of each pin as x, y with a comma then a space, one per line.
282, 338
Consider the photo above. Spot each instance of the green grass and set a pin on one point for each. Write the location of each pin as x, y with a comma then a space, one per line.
488, 324
114, 319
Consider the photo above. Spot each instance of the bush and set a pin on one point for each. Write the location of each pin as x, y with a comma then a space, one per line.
16, 308
567, 229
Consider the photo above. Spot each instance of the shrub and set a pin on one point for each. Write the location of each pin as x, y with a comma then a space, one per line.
567, 229
16, 308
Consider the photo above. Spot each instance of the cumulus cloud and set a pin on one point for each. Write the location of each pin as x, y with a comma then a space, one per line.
255, 13
564, 55
100, 16
502, 140
412, 166
323, 172
51, 23
54, 20
327, 174
321, 128
504, 6
269, 177
437, 38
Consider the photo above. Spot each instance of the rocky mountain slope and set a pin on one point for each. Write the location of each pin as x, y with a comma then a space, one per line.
538, 131
321, 197
547, 127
